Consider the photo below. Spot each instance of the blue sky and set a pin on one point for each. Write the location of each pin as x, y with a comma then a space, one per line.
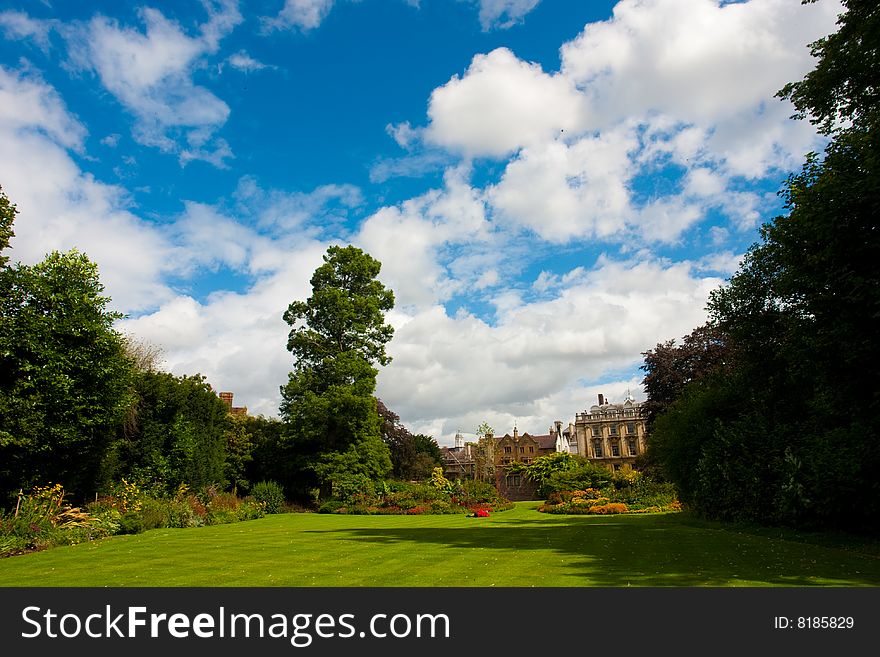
552, 187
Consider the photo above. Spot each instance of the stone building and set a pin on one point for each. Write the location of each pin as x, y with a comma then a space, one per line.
463, 460
459, 461
612, 435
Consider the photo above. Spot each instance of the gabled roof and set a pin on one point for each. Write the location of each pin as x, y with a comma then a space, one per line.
546, 441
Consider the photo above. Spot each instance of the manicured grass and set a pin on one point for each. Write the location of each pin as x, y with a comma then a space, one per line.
520, 547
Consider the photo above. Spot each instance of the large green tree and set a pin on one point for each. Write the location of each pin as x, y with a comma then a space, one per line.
786, 431
64, 374
337, 336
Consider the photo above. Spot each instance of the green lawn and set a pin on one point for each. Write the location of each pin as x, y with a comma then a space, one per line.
520, 547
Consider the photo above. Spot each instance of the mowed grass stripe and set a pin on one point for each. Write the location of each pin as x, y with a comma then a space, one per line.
520, 547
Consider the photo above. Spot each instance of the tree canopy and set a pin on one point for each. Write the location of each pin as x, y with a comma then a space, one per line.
64, 374
784, 427
337, 336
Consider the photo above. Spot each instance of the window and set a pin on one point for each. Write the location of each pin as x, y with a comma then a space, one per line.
631, 446
507, 450
630, 427
505, 461
522, 450
613, 429
531, 450
615, 449
597, 432
597, 449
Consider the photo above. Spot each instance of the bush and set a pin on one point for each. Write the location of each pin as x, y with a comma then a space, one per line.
629, 490
42, 519
400, 497
356, 488
270, 494
330, 506
131, 523
582, 476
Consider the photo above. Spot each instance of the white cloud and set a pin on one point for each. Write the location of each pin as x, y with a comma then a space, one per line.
237, 340
562, 191
500, 105
18, 25
61, 207
29, 104
111, 140
307, 15
151, 74
409, 240
502, 14
303, 15
688, 83
403, 133
323, 208
241, 61
532, 364
695, 59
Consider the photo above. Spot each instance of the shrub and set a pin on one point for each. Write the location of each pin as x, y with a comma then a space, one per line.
131, 523
155, 514
224, 508
354, 488
611, 507
42, 519
270, 494
330, 506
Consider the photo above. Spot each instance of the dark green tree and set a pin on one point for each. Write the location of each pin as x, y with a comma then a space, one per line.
337, 336
786, 431
179, 434
412, 456
669, 367
64, 374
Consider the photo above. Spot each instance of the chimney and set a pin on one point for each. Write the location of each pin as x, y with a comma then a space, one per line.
601, 399
558, 427
226, 398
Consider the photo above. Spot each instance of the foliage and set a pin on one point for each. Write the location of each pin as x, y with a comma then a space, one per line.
64, 374
843, 89
575, 473
270, 494
264, 461
337, 334
670, 367
624, 491
542, 468
238, 453
43, 519
785, 430
7, 218
440, 482
179, 434
412, 456
355, 495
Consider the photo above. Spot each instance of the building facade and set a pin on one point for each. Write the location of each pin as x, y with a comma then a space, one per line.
612, 435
